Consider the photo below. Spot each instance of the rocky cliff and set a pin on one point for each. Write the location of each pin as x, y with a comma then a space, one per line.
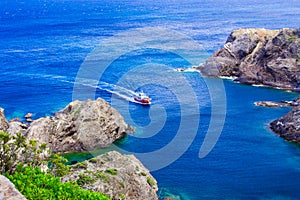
258, 56
288, 126
118, 176
80, 126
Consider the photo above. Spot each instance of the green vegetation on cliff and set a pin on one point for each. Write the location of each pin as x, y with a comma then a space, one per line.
20, 161
35, 184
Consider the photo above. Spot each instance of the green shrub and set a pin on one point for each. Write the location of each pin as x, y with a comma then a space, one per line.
16, 149
84, 179
76, 112
35, 184
102, 176
111, 171
57, 166
150, 181
122, 196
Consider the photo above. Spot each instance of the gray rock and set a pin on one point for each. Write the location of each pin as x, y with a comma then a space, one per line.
28, 115
29, 120
115, 175
80, 126
258, 56
17, 127
3, 121
8, 190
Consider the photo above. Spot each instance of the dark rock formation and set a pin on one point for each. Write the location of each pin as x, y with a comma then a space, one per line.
288, 126
115, 175
259, 56
8, 190
81, 126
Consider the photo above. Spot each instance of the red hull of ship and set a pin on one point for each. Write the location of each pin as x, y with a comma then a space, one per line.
144, 101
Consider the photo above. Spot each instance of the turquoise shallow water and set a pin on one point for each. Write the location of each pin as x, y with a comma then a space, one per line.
44, 43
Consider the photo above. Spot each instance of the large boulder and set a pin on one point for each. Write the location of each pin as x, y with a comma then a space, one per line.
3, 121
8, 190
258, 56
118, 176
80, 126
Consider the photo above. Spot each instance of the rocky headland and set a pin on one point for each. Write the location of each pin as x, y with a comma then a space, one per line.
80, 126
263, 57
258, 56
84, 126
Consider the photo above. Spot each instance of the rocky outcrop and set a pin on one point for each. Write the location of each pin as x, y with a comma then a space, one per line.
118, 176
288, 126
80, 126
8, 190
273, 104
3, 121
258, 56
17, 127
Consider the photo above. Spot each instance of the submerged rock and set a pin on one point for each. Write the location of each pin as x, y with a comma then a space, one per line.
8, 190
118, 176
258, 56
80, 126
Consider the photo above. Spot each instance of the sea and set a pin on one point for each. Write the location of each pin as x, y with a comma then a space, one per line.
201, 138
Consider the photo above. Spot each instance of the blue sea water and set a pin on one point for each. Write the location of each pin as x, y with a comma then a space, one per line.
43, 44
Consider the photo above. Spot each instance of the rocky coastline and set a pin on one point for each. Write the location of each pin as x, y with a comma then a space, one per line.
263, 57
85, 126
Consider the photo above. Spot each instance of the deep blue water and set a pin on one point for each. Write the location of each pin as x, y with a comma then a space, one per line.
44, 43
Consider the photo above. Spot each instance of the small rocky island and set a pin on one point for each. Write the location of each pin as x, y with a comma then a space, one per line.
84, 126
263, 57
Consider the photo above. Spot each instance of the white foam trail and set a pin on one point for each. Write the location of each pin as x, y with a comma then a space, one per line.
121, 92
